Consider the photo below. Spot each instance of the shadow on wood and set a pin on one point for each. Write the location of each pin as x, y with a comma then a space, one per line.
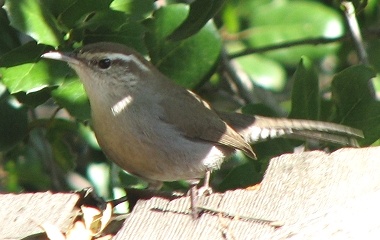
310, 195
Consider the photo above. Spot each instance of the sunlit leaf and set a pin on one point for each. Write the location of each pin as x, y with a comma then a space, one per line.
73, 98
285, 21
22, 71
33, 18
263, 71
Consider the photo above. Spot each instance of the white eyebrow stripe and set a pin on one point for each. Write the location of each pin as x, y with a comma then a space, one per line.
126, 58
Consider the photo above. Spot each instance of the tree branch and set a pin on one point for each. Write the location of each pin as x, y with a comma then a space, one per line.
308, 41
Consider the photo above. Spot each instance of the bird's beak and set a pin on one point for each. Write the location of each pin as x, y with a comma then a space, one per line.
65, 57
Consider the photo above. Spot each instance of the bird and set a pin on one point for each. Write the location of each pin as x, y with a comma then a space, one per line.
160, 131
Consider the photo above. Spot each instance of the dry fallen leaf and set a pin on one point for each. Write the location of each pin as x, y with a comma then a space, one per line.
91, 223
95, 220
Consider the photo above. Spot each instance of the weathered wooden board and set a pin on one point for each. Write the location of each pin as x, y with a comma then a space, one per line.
313, 194
21, 215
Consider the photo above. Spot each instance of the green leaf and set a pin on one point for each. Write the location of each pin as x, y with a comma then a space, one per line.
263, 71
285, 21
305, 92
230, 17
26, 169
57, 7
11, 181
60, 133
373, 51
23, 72
13, 123
186, 62
110, 19
27, 53
71, 95
62, 153
34, 99
136, 8
355, 103
351, 87
9, 38
201, 11
89, 136
32, 18
80, 11
241, 176
112, 26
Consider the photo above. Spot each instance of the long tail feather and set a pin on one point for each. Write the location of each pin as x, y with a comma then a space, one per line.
258, 128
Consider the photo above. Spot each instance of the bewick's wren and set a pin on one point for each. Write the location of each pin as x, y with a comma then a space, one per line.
160, 131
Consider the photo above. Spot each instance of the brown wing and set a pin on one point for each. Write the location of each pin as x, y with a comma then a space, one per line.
195, 119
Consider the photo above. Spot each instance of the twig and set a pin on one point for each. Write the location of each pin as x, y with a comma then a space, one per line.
372, 33
353, 26
308, 41
245, 86
246, 89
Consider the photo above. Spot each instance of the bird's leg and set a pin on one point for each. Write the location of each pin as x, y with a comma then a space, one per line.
205, 189
195, 192
194, 197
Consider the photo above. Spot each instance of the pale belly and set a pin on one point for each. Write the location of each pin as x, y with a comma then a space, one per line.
157, 151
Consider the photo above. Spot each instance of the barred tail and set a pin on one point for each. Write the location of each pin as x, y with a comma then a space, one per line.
258, 128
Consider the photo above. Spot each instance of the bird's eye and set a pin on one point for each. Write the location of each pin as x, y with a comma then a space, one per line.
104, 63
